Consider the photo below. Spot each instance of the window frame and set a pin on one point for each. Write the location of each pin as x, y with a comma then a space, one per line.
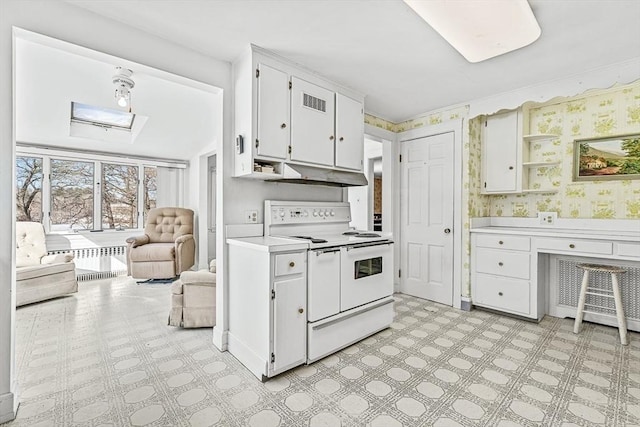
47, 155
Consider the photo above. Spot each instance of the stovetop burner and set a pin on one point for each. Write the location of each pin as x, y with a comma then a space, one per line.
313, 239
360, 234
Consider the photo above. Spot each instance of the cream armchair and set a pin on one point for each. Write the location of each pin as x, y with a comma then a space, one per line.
40, 276
166, 248
193, 299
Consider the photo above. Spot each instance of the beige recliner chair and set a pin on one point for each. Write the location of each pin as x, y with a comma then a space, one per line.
40, 276
166, 248
193, 299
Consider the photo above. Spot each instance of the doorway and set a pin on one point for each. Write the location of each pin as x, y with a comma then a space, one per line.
427, 217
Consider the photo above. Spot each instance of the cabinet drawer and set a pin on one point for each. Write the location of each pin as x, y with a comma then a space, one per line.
502, 294
290, 263
629, 249
500, 241
503, 263
576, 245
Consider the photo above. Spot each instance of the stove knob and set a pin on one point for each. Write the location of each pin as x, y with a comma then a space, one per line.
315, 213
333, 213
321, 213
282, 213
305, 214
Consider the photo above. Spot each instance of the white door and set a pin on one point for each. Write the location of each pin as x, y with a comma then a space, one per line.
273, 113
289, 323
312, 137
426, 205
349, 133
211, 214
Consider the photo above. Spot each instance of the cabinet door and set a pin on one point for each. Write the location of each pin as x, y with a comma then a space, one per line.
312, 118
500, 165
349, 133
273, 113
289, 323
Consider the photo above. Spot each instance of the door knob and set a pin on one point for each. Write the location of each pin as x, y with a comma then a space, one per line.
341, 138
331, 138
447, 230
301, 310
284, 125
500, 293
292, 264
500, 264
572, 246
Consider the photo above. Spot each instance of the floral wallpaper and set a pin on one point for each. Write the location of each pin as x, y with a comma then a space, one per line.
601, 113
427, 119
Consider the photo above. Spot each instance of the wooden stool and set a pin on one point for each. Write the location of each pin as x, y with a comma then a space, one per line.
586, 290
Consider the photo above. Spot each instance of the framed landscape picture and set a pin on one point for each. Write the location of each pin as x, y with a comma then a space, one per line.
616, 157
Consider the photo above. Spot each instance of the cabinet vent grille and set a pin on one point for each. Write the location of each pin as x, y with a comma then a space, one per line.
570, 279
314, 103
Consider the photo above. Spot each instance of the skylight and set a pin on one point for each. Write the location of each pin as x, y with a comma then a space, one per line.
98, 116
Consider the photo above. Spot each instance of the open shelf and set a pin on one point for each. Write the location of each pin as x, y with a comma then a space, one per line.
540, 164
539, 136
541, 191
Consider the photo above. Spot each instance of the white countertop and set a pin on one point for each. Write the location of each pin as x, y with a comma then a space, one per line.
269, 244
618, 235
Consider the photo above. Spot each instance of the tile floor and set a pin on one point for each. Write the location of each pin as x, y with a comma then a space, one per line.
105, 357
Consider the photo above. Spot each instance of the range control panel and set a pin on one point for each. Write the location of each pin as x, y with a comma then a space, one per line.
300, 214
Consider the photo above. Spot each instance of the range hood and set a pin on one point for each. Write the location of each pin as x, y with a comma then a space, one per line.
300, 174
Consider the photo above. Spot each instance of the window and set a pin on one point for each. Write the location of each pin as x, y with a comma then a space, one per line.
72, 195
119, 196
99, 116
150, 189
29, 188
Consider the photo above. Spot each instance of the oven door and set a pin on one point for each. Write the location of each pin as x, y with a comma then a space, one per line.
323, 296
366, 273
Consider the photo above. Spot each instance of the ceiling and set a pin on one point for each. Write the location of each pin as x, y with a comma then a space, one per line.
49, 78
384, 50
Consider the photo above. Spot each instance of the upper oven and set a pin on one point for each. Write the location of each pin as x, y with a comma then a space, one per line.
366, 272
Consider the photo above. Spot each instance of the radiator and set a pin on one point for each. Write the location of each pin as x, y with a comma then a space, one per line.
98, 263
566, 279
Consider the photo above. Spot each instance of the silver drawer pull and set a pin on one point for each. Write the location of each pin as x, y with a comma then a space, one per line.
572, 246
500, 242
334, 321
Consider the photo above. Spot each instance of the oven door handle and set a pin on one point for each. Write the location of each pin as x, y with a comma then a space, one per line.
334, 321
366, 245
325, 251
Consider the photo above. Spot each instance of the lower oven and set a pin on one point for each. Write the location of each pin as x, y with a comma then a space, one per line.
366, 273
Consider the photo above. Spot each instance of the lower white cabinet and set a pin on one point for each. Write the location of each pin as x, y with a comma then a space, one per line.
267, 309
500, 273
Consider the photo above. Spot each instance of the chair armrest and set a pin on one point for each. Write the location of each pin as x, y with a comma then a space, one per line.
212, 266
202, 277
138, 240
56, 258
183, 238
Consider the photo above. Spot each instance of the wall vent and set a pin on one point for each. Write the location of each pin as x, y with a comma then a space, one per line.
314, 103
98, 263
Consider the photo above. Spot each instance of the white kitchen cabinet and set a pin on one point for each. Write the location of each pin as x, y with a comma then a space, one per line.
349, 132
502, 153
312, 123
267, 306
272, 133
286, 114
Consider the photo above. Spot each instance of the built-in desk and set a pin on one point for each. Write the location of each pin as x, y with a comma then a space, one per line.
528, 270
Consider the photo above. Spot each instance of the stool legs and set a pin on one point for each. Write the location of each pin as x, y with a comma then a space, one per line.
583, 296
622, 321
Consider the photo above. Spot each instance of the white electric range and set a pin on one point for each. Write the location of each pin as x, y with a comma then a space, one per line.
349, 272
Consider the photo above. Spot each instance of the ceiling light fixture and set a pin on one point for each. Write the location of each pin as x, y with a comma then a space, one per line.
480, 29
124, 83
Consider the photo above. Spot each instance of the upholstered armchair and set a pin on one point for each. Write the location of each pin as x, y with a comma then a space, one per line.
166, 248
40, 276
193, 299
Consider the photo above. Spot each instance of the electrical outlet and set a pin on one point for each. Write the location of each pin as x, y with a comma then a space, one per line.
251, 217
547, 218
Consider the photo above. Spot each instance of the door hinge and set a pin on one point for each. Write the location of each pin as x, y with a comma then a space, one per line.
290, 85
400, 158
485, 123
273, 294
289, 150
273, 358
257, 142
485, 184
257, 73
399, 273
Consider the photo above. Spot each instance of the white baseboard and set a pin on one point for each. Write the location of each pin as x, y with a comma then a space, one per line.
8, 407
248, 358
220, 338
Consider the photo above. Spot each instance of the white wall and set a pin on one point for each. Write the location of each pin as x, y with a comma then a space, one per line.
75, 25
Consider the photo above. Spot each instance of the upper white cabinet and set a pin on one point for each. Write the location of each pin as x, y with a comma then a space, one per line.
502, 153
349, 132
272, 133
312, 123
284, 113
